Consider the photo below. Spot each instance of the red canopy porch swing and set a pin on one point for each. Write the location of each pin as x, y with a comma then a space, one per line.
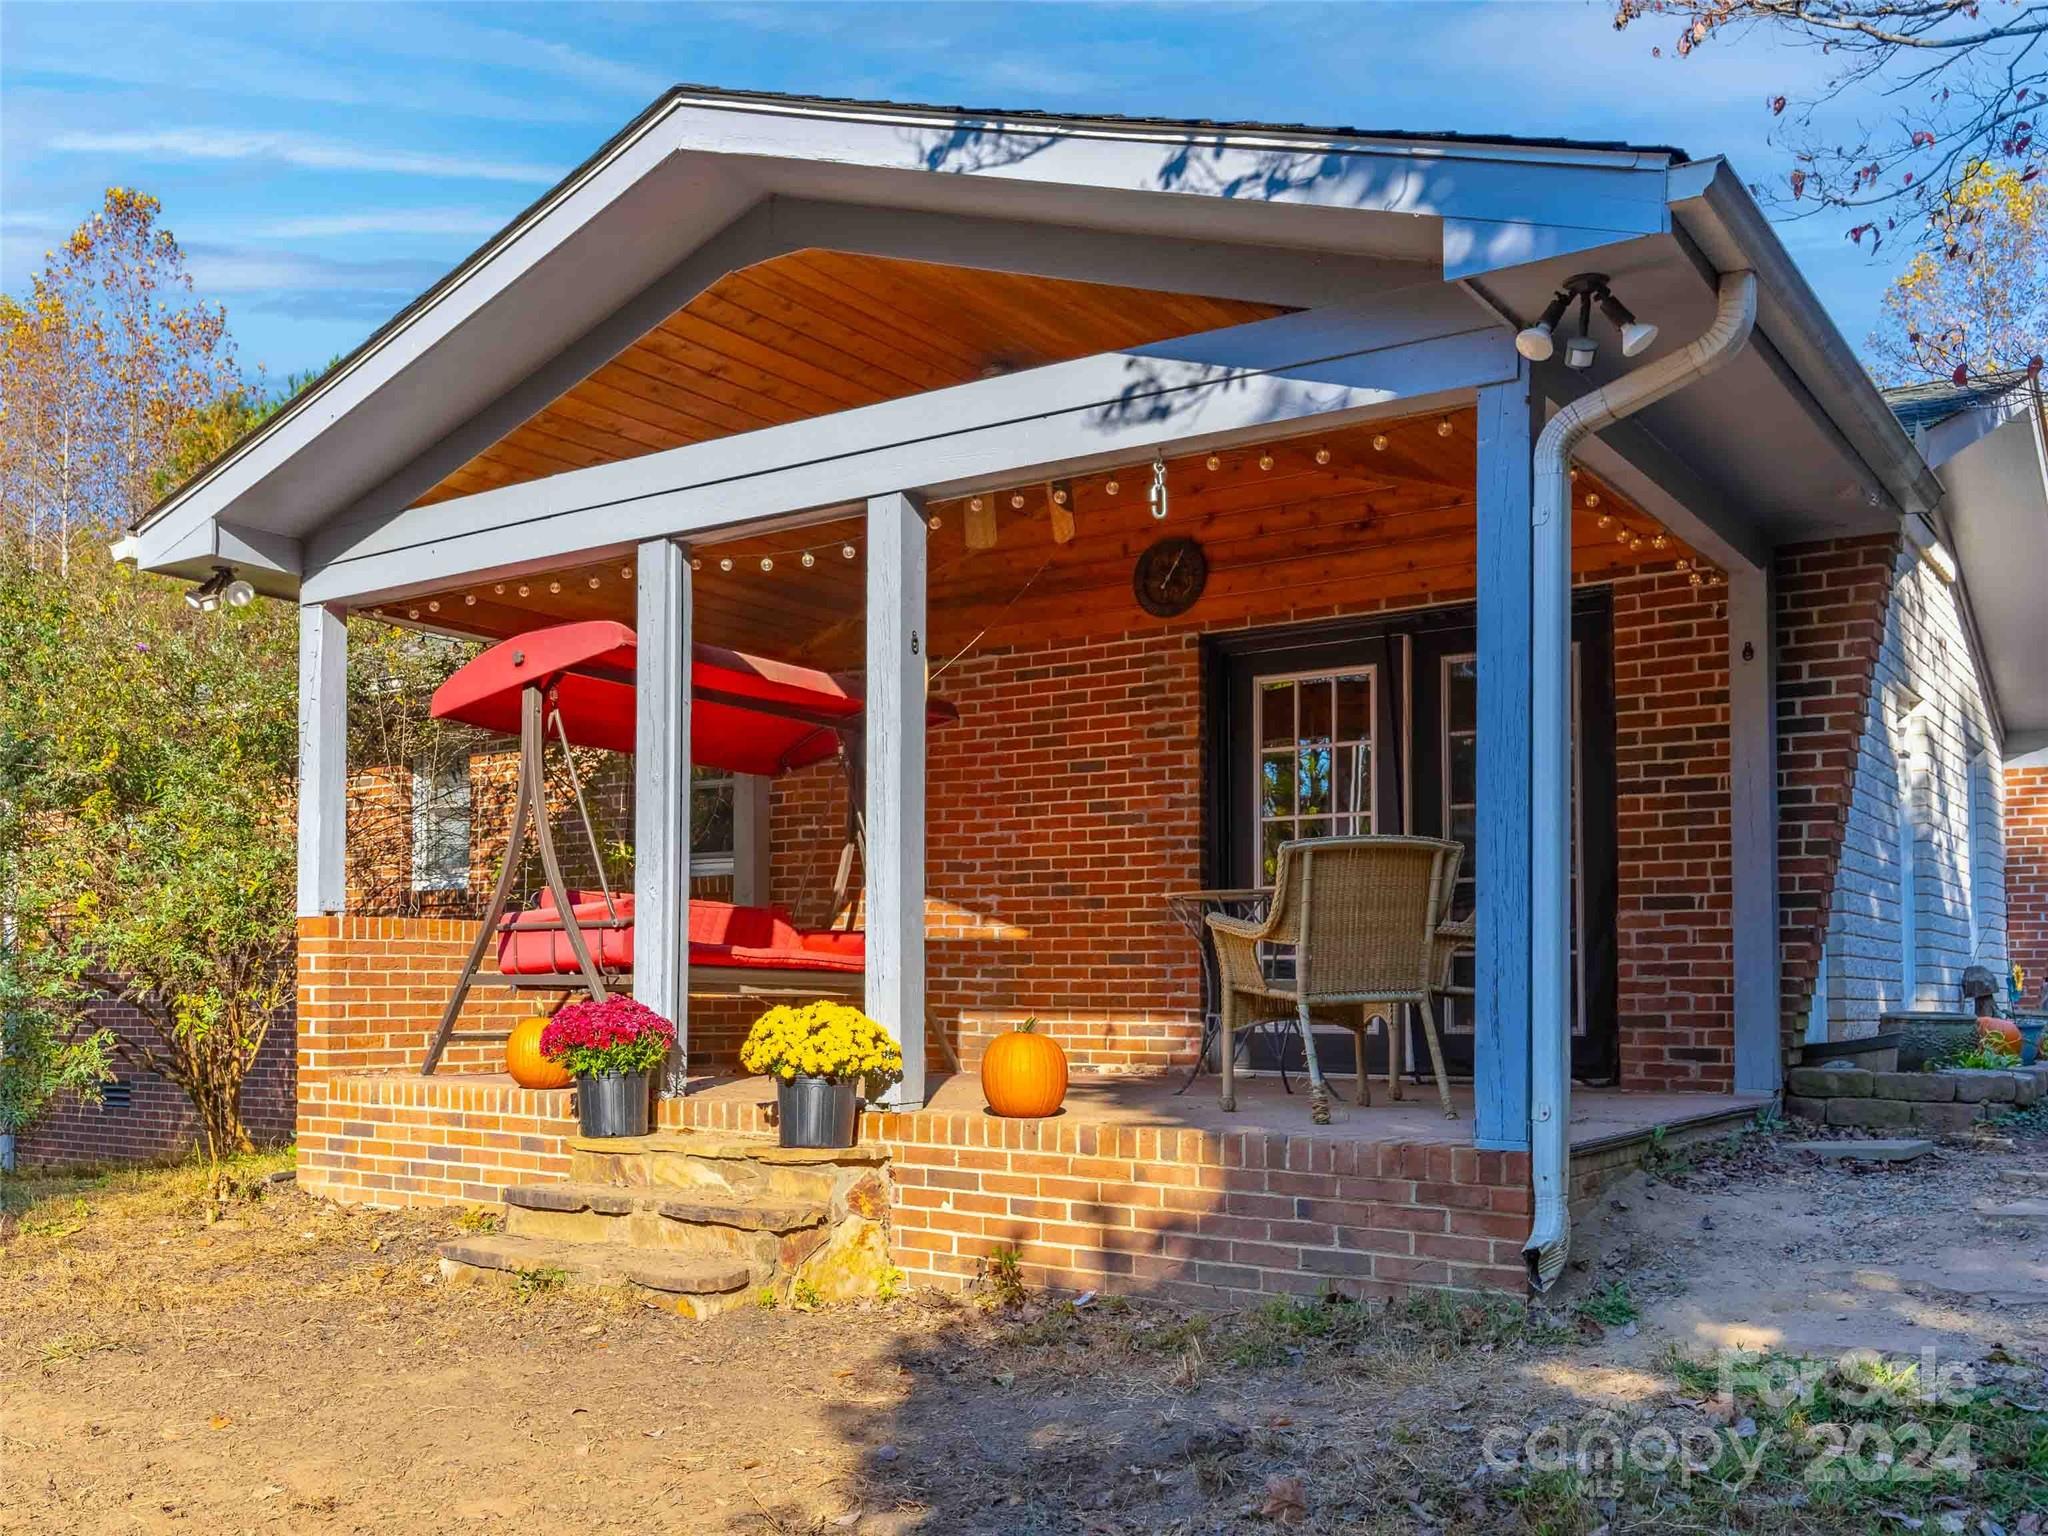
748, 714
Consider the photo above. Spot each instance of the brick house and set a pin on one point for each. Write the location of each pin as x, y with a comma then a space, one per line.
1230, 483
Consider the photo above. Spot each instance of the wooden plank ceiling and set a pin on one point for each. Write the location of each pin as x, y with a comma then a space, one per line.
1379, 516
814, 332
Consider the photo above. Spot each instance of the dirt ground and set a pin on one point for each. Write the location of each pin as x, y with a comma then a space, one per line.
293, 1367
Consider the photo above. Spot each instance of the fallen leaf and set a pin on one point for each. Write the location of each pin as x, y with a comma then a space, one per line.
219, 1421
1286, 1500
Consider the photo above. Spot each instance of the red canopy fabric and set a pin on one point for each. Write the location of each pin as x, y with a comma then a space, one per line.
748, 714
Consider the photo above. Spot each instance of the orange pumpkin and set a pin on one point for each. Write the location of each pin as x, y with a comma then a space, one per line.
2003, 1031
524, 1061
1024, 1074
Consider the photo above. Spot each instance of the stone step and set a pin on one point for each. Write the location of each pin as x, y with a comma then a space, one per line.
1898, 1149
2025, 1178
2013, 1210
699, 1161
698, 1286
707, 1207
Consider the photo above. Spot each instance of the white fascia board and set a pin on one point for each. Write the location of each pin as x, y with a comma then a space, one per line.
1622, 192
510, 256
1518, 190
1236, 384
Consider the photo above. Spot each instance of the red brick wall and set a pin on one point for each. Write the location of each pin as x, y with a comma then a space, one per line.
1191, 1215
1831, 600
2026, 873
1673, 846
1067, 804
158, 1120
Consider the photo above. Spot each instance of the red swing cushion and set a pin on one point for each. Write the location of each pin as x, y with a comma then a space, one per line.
721, 934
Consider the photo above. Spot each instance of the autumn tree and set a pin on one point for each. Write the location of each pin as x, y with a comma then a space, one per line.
147, 751
105, 364
1978, 302
1946, 89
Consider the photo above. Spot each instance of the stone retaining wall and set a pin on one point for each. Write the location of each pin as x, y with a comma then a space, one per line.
1935, 1102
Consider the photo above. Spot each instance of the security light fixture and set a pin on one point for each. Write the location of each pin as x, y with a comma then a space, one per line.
222, 589
1534, 342
1537, 342
1635, 336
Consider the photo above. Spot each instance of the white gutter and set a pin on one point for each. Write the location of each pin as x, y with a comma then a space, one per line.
1550, 1076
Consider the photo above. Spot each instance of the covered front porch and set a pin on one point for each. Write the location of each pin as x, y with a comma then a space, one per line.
1221, 520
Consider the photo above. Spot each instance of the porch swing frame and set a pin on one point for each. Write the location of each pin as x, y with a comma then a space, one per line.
595, 980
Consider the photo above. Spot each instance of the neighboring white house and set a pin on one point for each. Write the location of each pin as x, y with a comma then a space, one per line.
1921, 890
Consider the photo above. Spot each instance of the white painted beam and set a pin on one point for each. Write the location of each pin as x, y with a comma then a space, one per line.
895, 732
1404, 352
1753, 797
323, 760
661, 793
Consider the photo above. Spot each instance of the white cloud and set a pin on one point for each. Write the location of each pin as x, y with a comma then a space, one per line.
383, 221
296, 150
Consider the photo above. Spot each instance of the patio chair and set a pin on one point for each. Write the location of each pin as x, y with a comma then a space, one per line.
1368, 919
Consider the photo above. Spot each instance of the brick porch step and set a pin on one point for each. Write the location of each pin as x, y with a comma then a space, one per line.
707, 1207
699, 1285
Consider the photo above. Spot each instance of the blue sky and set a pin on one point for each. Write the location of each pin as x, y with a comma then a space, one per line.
322, 163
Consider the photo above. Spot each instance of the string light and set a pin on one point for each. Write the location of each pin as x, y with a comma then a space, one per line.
469, 599
554, 586
412, 613
499, 589
1603, 520
1213, 462
593, 582
1658, 541
1265, 461
809, 559
767, 562
974, 505
625, 573
932, 524
1322, 455
1059, 493
1379, 443
1156, 495
696, 562
725, 562
434, 607
1111, 487
846, 551
1443, 427
1592, 498
524, 589
1016, 505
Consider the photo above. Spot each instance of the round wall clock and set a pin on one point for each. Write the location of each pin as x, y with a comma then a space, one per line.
1169, 577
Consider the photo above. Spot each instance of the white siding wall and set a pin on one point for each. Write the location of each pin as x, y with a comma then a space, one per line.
1927, 722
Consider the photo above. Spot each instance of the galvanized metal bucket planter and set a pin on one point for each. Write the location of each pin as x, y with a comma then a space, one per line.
816, 1112
612, 1104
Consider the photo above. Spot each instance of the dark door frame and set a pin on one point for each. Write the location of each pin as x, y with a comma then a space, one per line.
1408, 768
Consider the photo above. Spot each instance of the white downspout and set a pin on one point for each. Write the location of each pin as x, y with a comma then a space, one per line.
1550, 757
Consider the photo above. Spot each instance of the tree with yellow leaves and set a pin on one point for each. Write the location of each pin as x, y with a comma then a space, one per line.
1976, 302
105, 365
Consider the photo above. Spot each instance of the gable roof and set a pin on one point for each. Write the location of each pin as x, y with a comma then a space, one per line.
1293, 215
1931, 403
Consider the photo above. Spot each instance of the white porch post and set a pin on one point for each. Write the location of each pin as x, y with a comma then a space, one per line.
1508, 417
1753, 793
661, 794
323, 760
895, 780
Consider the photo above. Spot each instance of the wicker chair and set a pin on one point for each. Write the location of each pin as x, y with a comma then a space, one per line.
1369, 921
